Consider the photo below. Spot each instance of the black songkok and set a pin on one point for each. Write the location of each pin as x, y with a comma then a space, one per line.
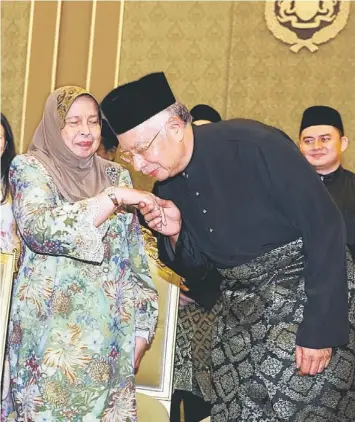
108, 137
129, 105
205, 112
321, 115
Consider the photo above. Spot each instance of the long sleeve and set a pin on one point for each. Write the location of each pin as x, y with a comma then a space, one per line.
47, 225
186, 260
202, 279
300, 195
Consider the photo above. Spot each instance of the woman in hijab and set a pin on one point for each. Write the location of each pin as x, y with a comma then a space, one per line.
83, 307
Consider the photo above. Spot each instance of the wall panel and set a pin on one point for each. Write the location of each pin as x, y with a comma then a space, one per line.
106, 35
74, 43
15, 19
41, 63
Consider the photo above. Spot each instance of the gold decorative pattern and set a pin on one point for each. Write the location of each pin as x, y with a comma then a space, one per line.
306, 23
151, 248
65, 99
8, 267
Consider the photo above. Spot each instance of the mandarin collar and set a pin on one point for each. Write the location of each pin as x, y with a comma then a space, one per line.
331, 177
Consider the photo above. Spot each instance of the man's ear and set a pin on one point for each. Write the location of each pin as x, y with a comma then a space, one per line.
344, 143
176, 127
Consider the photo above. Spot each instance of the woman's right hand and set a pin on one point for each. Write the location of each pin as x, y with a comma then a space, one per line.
130, 196
134, 197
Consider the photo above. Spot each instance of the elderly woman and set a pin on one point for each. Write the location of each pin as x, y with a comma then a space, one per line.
83, 305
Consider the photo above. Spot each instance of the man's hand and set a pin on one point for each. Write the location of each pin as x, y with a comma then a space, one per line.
184, 300
172, 224
139, 350
312, 361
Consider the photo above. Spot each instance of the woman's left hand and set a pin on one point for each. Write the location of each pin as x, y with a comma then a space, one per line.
140, 348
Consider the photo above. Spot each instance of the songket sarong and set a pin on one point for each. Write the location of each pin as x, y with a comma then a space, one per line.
192, 367
254, 375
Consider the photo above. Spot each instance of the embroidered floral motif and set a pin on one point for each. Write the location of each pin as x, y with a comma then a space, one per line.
113, 174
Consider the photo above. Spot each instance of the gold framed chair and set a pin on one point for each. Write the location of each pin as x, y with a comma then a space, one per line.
7, 270
155, 375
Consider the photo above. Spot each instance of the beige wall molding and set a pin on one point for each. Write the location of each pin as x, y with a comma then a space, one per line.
27, 71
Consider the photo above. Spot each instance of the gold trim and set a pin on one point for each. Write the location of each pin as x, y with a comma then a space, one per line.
27, 74
91, 44
8, 268
151, 249
56, 45
119, 44
323, 35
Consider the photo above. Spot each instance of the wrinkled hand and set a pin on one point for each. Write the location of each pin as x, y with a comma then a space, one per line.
130, 196
184, 300
312, 361
139, 350
171, 225
134, 197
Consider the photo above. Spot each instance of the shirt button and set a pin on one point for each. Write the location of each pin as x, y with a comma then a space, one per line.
211, 230
204, 211
105, 270
197, 193
183, 173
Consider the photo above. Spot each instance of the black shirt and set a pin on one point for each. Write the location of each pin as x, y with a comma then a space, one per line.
246, 191
341, 186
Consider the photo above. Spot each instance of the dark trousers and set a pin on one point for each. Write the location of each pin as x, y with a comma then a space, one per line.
195, 408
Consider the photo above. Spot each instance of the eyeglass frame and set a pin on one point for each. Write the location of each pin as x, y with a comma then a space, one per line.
142, 150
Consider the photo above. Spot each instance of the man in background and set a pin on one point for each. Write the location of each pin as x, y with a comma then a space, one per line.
323, 142
203, 113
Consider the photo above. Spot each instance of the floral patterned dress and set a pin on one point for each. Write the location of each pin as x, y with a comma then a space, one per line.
81, 296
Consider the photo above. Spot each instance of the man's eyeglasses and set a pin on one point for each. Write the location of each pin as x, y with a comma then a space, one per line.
128, 156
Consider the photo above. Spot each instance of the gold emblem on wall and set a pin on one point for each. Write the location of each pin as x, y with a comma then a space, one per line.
306, 23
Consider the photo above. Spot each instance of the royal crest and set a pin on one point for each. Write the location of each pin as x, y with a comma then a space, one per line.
306, 23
